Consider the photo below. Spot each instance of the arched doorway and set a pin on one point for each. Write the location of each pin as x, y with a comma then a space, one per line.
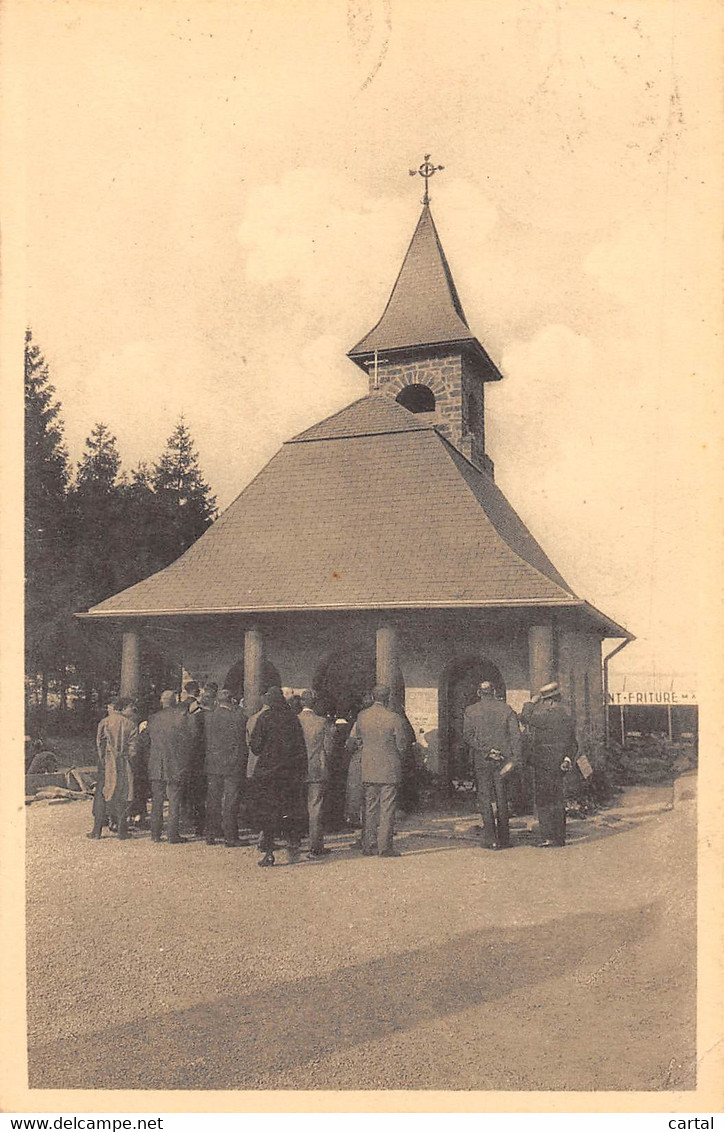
342, 677
459, 689
234, 679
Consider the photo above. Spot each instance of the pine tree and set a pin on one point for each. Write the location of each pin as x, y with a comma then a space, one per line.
96, 500
97, 557
186, 505
99, 468
141, 517
46, 457
47, 534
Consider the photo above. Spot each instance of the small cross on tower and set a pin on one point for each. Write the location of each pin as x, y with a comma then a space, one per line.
427, 171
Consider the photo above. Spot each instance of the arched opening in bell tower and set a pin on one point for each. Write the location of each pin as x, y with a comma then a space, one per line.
417, 399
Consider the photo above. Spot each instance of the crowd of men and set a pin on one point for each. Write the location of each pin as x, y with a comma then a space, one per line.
204, 757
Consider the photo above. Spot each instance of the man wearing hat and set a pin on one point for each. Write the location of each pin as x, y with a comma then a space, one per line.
191, 695
554, 747
171, 736
225, 767
195, 784
117, 744
318, 739
491, 731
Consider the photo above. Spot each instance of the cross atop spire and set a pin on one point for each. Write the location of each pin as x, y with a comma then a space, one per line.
426, 170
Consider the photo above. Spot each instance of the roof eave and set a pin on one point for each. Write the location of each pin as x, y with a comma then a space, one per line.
211, 611
606, 622
490, 370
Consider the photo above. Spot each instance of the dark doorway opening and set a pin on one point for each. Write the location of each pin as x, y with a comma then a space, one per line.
342, 678
459, 689
234, 679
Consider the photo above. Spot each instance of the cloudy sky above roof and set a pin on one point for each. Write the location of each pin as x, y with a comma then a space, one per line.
218, 203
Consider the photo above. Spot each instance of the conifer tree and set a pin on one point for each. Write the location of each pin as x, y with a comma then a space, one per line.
142, 522
97, 511
186, 505
98, 470
47, 535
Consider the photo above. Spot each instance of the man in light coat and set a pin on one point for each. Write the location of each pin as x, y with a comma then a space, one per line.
383, 738
491, 731
117, 742
172, 733
318, 739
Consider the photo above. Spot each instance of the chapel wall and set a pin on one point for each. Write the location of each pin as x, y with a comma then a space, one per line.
427, 651
580, 678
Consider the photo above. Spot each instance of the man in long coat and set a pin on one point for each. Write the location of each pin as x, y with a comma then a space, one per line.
491, 732
318, 739
195, 783
277, 742
383, 737
116, 741
225, 767
553, 748
172, 735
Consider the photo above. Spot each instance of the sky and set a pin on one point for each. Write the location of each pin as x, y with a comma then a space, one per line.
217, 201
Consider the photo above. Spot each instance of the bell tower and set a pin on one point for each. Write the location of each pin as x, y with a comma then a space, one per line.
422, 351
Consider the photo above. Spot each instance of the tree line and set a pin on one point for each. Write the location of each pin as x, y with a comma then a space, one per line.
90, 531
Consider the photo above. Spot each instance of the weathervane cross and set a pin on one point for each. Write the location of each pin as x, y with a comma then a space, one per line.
427, 171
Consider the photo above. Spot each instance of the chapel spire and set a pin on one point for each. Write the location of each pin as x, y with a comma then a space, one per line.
422, 350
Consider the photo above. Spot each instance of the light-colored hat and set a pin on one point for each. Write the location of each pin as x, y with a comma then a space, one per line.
167, 698
548, 691
486, 688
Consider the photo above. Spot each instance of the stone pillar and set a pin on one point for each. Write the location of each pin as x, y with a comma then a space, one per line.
388, 666
540, 656
386, 655
253, 670
131, 665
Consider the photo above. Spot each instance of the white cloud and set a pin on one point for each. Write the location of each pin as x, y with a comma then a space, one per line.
630, 263
315, 229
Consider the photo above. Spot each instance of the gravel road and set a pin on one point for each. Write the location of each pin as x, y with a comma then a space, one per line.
187, 967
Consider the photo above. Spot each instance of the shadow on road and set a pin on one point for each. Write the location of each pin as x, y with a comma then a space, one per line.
243, 1041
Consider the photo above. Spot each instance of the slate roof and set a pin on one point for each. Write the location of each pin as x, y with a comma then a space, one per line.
369, 416
372, 508
424, 308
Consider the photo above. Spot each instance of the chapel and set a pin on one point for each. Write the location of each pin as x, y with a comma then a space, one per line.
375, 547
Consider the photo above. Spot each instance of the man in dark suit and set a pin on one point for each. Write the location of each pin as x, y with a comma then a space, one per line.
277, 742
225, 767
492, 734
171, 733
383, 737
194, 799
553, 749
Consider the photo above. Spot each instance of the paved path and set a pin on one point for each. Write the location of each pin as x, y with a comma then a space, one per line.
157, 966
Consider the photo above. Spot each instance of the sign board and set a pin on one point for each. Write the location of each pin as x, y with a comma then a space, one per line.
640, 689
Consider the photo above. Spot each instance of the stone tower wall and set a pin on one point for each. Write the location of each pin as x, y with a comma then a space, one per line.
459, 397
